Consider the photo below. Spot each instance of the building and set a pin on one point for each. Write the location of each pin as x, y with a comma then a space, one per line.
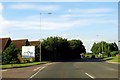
4, 43
34, 43
37, 49
20, 43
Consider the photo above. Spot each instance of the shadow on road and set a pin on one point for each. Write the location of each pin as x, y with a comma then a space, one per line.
83, 60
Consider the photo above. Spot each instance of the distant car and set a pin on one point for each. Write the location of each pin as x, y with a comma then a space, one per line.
93, 56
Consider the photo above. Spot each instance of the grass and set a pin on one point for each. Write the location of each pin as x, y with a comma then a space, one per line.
112, 59
6, 66
109, 59
89, 55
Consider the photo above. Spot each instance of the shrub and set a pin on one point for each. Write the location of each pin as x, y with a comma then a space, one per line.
9, 55
93, 56
113, 53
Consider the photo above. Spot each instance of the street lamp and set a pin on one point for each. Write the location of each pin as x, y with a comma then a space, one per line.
101, 54
102, 44
40, 29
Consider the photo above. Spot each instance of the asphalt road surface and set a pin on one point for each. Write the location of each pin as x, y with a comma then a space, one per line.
78, 69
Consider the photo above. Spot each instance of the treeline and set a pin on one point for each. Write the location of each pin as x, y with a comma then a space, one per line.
108, 49
52, 49
57, 48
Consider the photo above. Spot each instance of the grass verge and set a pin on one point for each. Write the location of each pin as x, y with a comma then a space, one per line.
7, 66
112, 59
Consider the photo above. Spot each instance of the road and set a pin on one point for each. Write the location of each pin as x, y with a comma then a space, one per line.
79, 69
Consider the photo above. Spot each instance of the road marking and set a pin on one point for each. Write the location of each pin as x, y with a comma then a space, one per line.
40, 68
37, 72
37, 68
3, 70
89, 75
109, 68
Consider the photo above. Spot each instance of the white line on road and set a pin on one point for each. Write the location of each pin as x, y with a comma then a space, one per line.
89, 75
3, 70
37, 68
37, 72
40, 68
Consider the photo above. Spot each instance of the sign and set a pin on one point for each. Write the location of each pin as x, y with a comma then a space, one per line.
28, 51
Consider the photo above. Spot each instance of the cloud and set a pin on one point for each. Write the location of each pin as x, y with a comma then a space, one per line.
90, 11
57, 23
88, 16
3, 22
35, 7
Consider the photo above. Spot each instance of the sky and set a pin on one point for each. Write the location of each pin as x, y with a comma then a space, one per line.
88, 21
59, 0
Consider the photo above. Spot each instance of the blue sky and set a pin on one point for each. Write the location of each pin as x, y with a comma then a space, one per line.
88, 21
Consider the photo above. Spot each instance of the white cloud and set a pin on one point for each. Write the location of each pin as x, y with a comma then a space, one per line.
3, 23
92, 10
35, 7
1, 8
88, 16
59, 23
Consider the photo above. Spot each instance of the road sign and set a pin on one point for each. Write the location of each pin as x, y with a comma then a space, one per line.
28, 51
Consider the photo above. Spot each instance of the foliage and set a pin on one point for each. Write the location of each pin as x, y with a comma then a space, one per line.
76, 47
56, 48
10, 55
37, 53
104, 47
113, 53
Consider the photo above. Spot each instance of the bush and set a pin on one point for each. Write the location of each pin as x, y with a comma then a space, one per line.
21, 60
93, 56
114, 53
10, 55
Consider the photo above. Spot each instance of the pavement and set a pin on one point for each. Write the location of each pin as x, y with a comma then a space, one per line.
79, 69
113, 62
24, 72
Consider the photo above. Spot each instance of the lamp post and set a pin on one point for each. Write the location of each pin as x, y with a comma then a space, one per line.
40, 29
102, 43
101, 55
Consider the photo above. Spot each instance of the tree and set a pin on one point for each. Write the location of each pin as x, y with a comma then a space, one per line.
10, 55
76, 48
94, 48
56, 48
115, 47
105, 47
37, 53
53, 48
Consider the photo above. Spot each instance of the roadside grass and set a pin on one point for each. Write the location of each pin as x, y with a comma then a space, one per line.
89, 55
112, 59
109, 59
6, 66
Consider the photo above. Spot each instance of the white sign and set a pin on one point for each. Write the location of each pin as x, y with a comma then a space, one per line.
28, 51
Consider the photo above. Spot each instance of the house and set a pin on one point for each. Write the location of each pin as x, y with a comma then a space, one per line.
34, 43
37, 49
4, 43
20, 43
